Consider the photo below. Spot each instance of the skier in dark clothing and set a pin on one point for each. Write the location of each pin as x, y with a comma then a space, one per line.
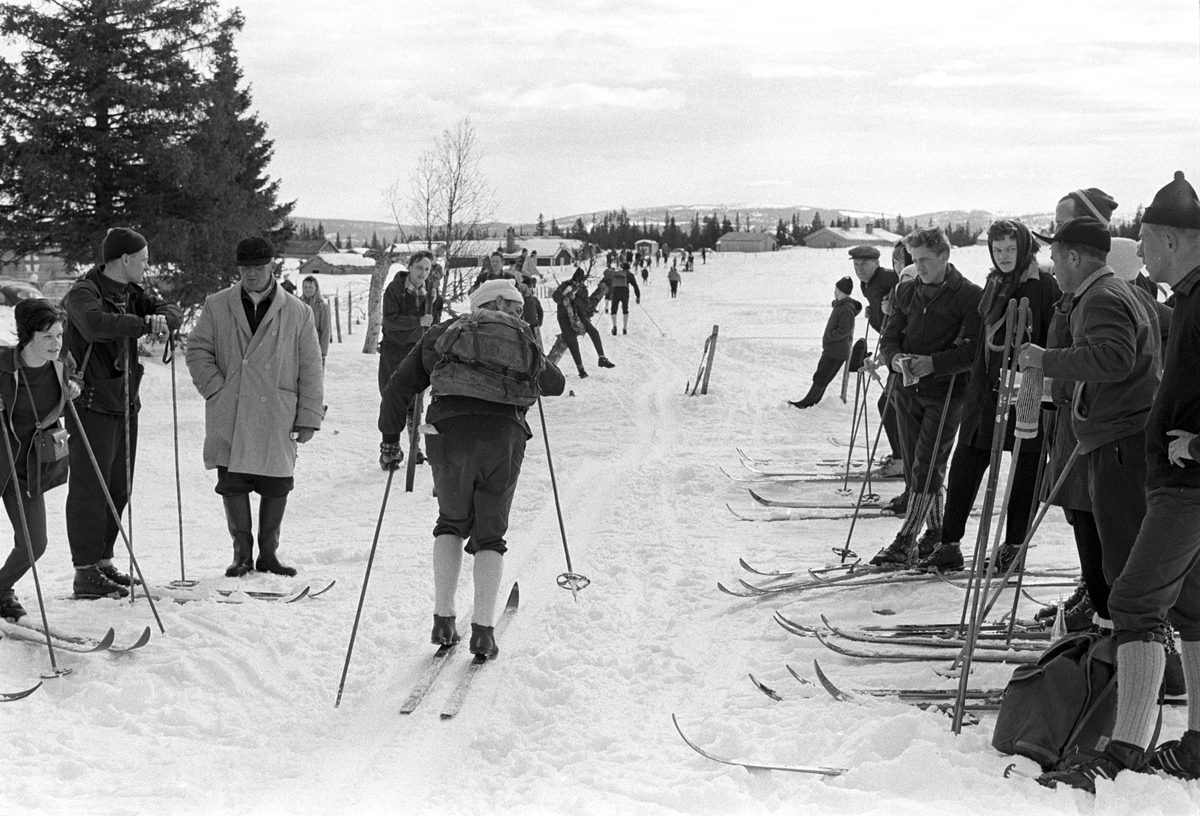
1015, 276
534, 315
574, 319
835, 343
619, 280
107, 312
407, 313
479, 444
930, 341
1159, 585
35, 385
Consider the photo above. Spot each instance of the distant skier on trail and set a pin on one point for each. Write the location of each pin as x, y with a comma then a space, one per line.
619, 280
673, 279
477, 444
574, 319
835, 343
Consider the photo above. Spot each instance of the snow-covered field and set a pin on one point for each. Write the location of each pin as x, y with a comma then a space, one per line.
232, 711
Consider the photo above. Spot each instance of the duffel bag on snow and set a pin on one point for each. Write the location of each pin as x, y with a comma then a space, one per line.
490, 356
1061, 711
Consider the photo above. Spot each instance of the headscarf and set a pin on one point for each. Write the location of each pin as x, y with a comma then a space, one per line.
1000, 286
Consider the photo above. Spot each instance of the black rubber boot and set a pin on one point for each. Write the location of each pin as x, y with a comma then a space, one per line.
241, 528
270, 519
10, 607
116, 576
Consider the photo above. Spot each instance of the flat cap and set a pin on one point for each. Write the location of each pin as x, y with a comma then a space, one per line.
865, 253
254, 252
1086, 230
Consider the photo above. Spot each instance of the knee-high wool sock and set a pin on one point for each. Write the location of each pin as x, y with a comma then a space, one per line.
1140, 665
489, 570
447, 561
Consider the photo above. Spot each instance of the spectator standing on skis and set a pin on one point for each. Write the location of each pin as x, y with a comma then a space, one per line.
35, 385
1159, 586
533, 314
930, 341
673, 278
479, 444
107, 312
255, 358
877, 283
835, 343
574, 319
1115, 362
619, 280
320, 309
1015, 276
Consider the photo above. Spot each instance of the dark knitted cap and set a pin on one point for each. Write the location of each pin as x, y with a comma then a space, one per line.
845, 285
1175, 205
254, 252
1093, 201
120, 241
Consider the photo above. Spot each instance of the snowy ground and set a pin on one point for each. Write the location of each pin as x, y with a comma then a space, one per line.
232, 710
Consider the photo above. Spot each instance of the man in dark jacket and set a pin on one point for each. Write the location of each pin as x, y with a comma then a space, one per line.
835, 343
877, 284
475, 449
930, 341
619, 280
1015, 276
107, 311
1115, 362
1159, 586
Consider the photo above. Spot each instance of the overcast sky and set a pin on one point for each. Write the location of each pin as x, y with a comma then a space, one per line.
898, 107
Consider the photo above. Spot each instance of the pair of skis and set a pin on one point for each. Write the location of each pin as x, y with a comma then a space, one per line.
235, 596
31, 633
442, 657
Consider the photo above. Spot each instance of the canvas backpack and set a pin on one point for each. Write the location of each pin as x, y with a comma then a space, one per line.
1061, 710
488, 355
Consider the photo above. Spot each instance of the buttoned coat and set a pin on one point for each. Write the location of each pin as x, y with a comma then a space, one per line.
258, 386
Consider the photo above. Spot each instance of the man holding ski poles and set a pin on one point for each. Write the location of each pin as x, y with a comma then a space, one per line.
877, 284
930, 342
1159, 584
107, 311
485, 371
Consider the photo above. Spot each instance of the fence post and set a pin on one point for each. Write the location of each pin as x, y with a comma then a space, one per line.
349, 312
712, 350
337, 316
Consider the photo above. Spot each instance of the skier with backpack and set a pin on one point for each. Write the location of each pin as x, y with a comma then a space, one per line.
485, 371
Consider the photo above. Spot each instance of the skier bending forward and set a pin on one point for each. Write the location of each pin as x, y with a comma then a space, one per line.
477, 443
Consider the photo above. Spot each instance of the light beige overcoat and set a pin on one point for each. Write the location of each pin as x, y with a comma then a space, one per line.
256, 387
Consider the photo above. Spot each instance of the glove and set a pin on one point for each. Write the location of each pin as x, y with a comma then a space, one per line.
390, 456
639, 299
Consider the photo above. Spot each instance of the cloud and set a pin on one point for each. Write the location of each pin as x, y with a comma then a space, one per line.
789, 70
578, 95
769, 183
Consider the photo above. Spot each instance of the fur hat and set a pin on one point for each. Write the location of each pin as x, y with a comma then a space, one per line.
120, 241
845, 285
488, 291
1175, 205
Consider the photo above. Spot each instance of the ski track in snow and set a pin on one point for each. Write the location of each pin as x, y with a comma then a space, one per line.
232, 711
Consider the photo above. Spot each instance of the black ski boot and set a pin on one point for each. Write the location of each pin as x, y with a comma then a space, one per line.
483, 641
270, 519
604, 362
241, 528
1180, 758
10, 607
928, 542
1047, 614
898, 505
91, 583
582, 373
894, 554
445, 633
116, 576
1117, 757
946, 557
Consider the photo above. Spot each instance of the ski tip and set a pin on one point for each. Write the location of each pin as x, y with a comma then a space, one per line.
514, 597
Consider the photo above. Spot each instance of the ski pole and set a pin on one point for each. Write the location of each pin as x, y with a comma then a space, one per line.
1049, 426
387, 489
169, 355
112, 508
128, 467
845, 552
55, 671
570, 579
660, 331
923, 497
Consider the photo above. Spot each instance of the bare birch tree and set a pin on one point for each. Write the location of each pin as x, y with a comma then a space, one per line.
464, 198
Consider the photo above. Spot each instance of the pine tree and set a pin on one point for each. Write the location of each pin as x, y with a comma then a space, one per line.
554, 230
541, 226
110, 111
